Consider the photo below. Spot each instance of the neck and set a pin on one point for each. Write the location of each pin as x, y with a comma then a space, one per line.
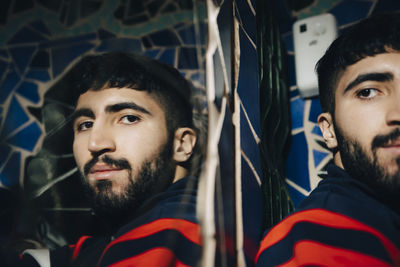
180, 172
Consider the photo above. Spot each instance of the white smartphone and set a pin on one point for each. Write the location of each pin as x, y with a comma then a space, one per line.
311, 37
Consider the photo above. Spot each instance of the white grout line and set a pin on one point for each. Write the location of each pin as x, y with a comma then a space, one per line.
256, 138
297, 187
251, 167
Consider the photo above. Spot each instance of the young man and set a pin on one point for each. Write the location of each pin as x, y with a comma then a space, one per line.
134, 141
353, 217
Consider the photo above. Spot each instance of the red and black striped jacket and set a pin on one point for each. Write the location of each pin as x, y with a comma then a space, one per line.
341, 223
166, 233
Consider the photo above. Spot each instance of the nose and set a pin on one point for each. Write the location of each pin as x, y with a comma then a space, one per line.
393, 113
101, 140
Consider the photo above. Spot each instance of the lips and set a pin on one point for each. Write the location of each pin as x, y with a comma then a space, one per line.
394, 143
392, 147
102, 172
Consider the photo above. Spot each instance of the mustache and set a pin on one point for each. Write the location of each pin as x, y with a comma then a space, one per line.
383, 140
119, 163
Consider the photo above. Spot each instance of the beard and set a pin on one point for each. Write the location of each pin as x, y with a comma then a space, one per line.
368, 169
152, 177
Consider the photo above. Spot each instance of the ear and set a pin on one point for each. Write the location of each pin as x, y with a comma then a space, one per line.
325, 123
184, 142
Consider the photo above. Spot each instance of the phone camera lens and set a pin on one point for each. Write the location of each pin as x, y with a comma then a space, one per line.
303, 27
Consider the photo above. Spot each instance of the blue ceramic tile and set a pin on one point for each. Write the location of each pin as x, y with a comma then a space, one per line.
288, 41
316, 130
168, 56
4, 152
294, 93
152, 53
41, 60
386, 6
248, 19
40, 75
187, 58
188, 35
315, 110
252, 203
183, 73
15, 117
297, 112
203, 33
3, 67
9, 176
297, 162
197, 40
248, 143
292, 70
146, 43
199, 77
29, 91
41, 27
103, 34
70, 13
22, 56
69, 41
350, 11
3, 53
295, 195
319, 156
286, 25
9, 83
248, 87
62, 57
179, 26
164, 38
27, 137
120, 44
26, 35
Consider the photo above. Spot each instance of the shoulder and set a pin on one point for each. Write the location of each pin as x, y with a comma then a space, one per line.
320, 236
161, 242
167, 233
178, 202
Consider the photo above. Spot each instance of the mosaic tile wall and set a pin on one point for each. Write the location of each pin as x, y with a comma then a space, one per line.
308, 155
39, 39
35, 51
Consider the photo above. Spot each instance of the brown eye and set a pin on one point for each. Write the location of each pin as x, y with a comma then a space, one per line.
84, 126
129, 119
367, 93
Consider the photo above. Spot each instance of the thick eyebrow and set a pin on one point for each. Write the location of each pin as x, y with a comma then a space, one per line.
125, 105
82, 112
374, 76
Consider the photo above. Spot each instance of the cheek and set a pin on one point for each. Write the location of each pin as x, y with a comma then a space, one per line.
147, 138
360, 125
79, 152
